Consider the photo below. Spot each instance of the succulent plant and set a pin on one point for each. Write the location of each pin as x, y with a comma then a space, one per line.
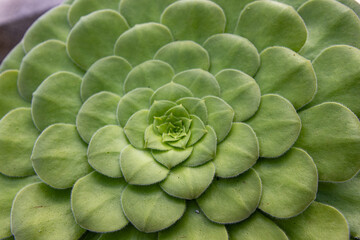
188, 119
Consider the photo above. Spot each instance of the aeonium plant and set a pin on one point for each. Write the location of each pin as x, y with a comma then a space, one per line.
188, 119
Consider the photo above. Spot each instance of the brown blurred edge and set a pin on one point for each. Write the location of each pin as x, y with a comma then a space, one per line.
16, 16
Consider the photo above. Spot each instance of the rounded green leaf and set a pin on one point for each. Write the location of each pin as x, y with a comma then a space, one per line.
154, 141
82, 8
59, 156
135, 128
242, 198
331, 135
142, 11
17, 137
201, 83
56, 100
14, 58
194, 20
132, 102
95, 203
276, 124
38, 208
140, 168
194, 225
297, 169
104, 150
338, 77
204, 150
197, 129
194, 106
141, 42
149, 209
319, 221
256, 227
94, 36
152, 74
159, 108
269, 23
171, 92
232, 51
238, 152
43, 60
189, 182
51, 25
172, 157
8, 189
9, 96
288, 74
240, 91
107, 74
345, 197
99, 110
220, 116
342, 28
129, 233
184, 55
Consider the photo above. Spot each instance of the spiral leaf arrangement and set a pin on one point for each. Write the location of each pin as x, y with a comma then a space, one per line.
188, 119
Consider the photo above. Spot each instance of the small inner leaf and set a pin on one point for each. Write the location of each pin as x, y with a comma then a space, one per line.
172, 157
135, 128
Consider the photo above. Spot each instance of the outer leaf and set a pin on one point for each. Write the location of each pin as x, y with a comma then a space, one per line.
59, 156
94, 36
331, 135
149, 209
9, 96
132, 102
269, 23
141, 42
194, 225
297, 169
129, 233
98, 111
232, 200
201, 83
38, 208
17, 137
231, 51
319, 221
288, 74
51, 25
240, 91
8, 189
342, 28
104, 150
56, 100
95, 203
139, 167
194, 20
220, 116
152, 74
13, 60
345, 197
142, 11
184, 55
82, 8
189, 182
256, 227
276, 125
338, 77
238, 152
107, 74
43, 60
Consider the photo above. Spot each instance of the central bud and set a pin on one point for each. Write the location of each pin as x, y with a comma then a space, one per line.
173, 127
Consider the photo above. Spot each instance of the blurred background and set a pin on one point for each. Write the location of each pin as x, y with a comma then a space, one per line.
15, 18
